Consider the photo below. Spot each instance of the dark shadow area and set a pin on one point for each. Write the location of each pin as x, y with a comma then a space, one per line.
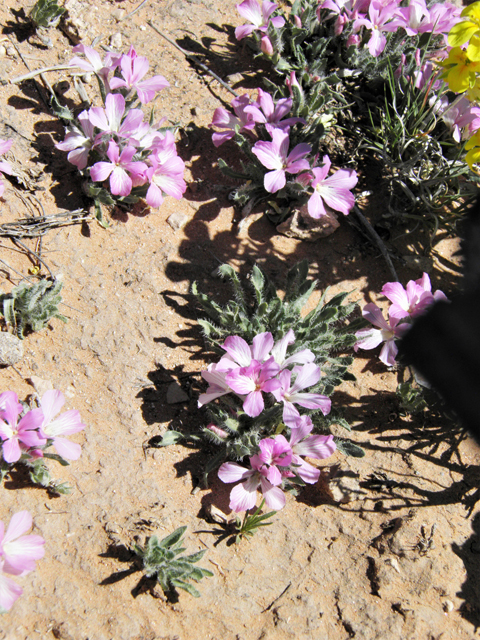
469, 553
19, 478
21, 26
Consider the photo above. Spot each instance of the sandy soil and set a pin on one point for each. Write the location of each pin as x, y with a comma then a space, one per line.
323, 570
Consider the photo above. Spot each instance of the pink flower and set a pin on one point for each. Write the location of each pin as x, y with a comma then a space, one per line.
379, 15
120, 163
413, 301
13, 434
133, 69
18, 554
443, 15
258, 15
4, 165
335, 190
412, 18
459, 115
290, 394
244, 496
279, 352
110, 119
274, 452
273, 155
251, 381
319, 447
66, 424
94, 62
217, 384
165, 173
239, 352
266, 46
223, 119
79, 142
387, 332
265, 110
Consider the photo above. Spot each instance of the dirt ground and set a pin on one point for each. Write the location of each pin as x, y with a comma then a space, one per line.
324, 569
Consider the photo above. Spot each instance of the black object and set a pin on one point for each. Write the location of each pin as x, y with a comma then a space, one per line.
444, 344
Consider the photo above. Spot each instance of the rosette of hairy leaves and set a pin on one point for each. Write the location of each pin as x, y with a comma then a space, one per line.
160, 559
324, 330
46, 13
32, 306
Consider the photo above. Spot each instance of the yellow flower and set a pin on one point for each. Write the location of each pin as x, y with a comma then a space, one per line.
460, 71
473, 156
468, 30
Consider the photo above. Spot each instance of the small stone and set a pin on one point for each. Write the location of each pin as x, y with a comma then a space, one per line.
118, 14
175, 394
234, 78
304, 227
40, 385
11, 348
177, 220
11, 52
3, 51
448, 606
116, 41
345, 489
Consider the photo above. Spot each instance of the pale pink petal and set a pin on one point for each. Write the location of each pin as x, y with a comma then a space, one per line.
10, 591
316, 208
97, 117
251, 10
232, 472
312, 401
261, 346
114, 109
307, 376
244, 496
11, 450
253, 405
307, 472
274, 181
268, 154
20, 523
120, 182
101, 170
274, 496
68, 423
244, 31
238, 349
319, 447
154, 196
300, 429
66, 449
395, 292
388, 353
51, 404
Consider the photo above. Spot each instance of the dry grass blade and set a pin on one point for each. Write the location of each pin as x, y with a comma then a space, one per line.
38, 226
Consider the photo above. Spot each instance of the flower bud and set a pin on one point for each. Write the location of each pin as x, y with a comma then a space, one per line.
266, 46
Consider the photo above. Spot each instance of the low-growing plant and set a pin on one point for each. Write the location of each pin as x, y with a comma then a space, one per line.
161, 558
122, 156
31, 306
46, 14
271, 355
251, 522
26, 434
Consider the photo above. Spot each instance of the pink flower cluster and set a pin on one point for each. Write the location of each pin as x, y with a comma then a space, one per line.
4, 165
260, 16
277, 460
406, 304
37, 428
115, 141
250, 371
276, 156
380, 17
18, 554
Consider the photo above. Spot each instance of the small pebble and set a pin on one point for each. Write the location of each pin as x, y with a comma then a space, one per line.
11, 348
448, 606
116, 41
3, 51
118, 14
11, 52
